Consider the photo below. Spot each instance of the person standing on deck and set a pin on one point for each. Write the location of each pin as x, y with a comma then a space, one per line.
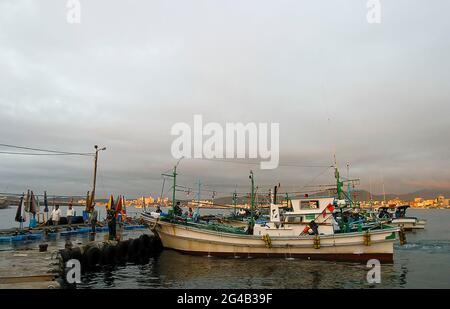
93, 219
112, 224
56, 215
69, 214
178, 211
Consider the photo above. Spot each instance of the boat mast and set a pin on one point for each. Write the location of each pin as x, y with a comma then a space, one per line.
339, 183
174, 176
234, 201
349, 190
199, 193
287, 200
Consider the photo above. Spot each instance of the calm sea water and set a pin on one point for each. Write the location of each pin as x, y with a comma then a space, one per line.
423, 263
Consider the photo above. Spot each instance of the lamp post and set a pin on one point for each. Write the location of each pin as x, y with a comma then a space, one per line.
97, 150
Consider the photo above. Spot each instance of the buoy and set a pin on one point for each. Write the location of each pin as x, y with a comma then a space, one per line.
146, 241
75, 253
133, 250
367, 238
109, 253
157, 244
317, 242
402, 236
122, 251
92, 257
65, 255
267, 241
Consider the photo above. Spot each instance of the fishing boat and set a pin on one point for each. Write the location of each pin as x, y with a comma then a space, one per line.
309, 231
3, 202
397, 216
408, 223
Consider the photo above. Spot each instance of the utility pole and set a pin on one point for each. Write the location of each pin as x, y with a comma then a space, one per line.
97, 150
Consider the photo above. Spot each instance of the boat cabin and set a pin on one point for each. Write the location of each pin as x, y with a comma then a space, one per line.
308, 216
400, 211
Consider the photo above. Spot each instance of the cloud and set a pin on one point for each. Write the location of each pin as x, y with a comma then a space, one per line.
377, 95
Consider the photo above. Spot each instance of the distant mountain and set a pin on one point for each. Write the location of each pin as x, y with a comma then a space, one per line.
361, 195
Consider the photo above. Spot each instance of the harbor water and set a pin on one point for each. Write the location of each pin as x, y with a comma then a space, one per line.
421, 263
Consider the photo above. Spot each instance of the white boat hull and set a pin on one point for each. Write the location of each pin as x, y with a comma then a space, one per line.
345, 247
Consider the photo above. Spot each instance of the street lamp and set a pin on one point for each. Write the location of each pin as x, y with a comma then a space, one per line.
97, 150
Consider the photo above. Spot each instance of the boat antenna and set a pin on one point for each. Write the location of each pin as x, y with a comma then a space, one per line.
162, 191
235, 201
349, 190
339, 183
199, 192
174, 187
252, 200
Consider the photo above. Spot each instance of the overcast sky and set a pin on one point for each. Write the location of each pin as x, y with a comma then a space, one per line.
376, 94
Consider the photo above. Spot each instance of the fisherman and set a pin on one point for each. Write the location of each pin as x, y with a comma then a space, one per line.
69, 214
158, 209
314, 227
111, 219
190, 213
56, 215
249, 228
178, 211
93, 216
196, 215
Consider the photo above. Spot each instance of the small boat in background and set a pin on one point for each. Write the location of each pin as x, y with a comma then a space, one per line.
408, 223
3, 202
397, 217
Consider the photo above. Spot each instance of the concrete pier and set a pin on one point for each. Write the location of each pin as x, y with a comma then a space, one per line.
29, 269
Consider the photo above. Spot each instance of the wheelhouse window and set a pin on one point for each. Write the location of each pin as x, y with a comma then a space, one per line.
293, 219
309, 205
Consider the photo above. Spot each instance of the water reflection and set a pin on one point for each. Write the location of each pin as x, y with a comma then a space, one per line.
174, 270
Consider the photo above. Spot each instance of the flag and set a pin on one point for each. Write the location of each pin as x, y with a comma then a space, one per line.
45, 202
88, 203
124, 207
32, 204
110, 204
38, 205
330, 207
306, 230
118, 206
27, 202
19, 217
